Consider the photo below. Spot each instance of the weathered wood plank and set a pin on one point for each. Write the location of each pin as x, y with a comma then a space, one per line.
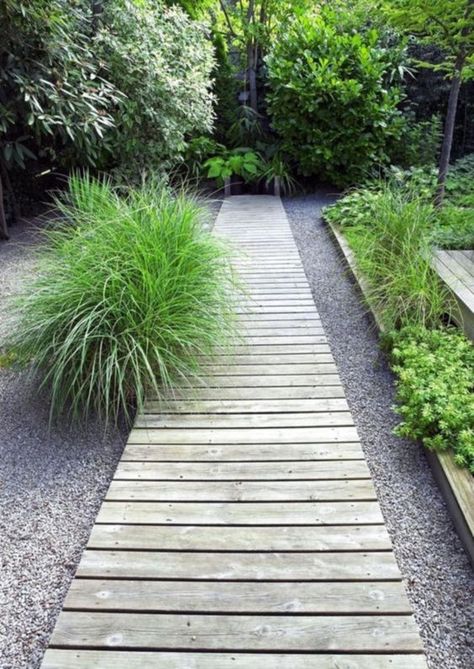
237, 566
376, 597
269, 380
228, 538
251, 435
270, 633
281, 331
278, 318
268, 369
89, 659
249, 392
192, 421
244, 491
247, 406
245, 471
258, 361
240, 513
287, 341
248, 453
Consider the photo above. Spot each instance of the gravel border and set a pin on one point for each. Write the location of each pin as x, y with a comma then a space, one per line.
52, 482
437, 573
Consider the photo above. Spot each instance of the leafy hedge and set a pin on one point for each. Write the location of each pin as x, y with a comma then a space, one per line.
329, 100
162, 61
435, 390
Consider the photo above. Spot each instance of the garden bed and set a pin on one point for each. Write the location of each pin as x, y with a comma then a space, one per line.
456, 484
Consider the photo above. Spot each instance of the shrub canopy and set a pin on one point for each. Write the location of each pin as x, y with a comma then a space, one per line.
162, 61
329, 98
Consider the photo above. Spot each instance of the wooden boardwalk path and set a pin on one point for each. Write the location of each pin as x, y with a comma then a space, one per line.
241, 528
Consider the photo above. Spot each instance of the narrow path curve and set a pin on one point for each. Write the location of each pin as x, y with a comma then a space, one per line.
439, 578
242, 526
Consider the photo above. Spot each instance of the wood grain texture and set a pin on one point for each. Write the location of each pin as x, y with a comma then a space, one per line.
233, 633
242, 471
243, 597
240, 513
241, 491
89, 659
254, 539
241, 528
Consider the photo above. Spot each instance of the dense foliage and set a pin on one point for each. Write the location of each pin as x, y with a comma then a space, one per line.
449, 24
131, 292
162, 62
391, 227
329, 100
51, 95
435, 390
450, 227
392, 253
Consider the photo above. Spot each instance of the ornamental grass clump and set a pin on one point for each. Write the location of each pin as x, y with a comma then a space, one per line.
132, 292
392, 245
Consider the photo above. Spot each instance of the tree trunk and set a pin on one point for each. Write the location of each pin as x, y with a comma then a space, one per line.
449, 129
3, 220
97, 7
252, 77
15, 209
251, 64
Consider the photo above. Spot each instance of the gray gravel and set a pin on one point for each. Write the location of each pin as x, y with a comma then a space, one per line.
51, 486
52, 481
439, 578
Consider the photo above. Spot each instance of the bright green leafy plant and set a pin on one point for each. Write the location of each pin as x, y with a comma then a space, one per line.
435, 390
131, 292
329, 98
242, 163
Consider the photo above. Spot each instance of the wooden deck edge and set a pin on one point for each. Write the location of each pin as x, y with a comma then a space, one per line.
465, 317
456, 484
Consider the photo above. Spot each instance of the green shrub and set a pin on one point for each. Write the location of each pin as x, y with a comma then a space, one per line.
435, 390
131, 291
242, 162
460, 182
418, 144
391, 243
455, 228
452, 226
356, 208
162, 61
330, 100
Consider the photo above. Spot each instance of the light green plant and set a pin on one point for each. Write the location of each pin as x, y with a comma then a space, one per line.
243, 163
162, 61
131, 292
435, 390
455, 228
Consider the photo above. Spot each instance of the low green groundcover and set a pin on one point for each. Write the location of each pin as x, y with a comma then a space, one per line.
435, 389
